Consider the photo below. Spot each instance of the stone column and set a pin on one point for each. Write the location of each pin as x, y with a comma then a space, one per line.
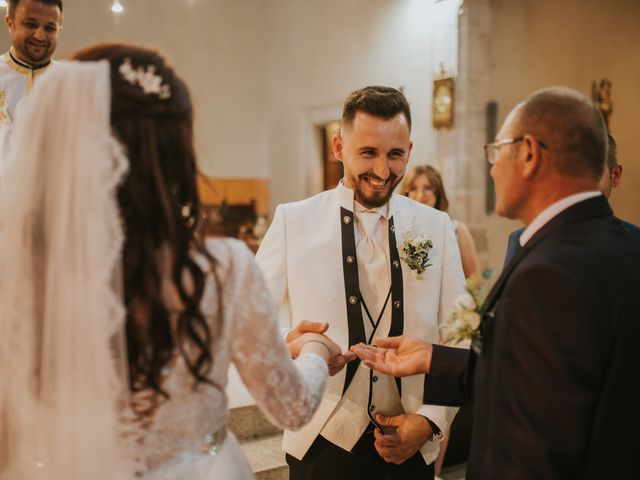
465, 168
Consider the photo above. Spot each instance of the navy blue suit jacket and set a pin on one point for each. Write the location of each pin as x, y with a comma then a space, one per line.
554, 385
513, 242
512, 245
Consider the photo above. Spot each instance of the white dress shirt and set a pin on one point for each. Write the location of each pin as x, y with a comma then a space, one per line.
552, 211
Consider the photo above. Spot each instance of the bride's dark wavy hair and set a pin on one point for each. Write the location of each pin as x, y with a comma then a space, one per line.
160, 208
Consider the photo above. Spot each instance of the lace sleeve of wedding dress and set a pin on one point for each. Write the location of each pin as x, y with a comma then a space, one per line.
287, 391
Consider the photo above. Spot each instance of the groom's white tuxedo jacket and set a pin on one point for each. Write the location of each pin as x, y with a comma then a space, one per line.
301, 257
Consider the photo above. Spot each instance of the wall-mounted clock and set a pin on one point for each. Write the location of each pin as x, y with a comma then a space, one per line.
443, 102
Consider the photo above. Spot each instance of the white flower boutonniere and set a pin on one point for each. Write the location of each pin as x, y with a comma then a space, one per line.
465, 318
415, 252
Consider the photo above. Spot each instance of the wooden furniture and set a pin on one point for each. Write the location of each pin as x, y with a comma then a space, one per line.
230, 207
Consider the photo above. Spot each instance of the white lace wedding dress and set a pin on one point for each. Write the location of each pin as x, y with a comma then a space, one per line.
178, 440
66, 412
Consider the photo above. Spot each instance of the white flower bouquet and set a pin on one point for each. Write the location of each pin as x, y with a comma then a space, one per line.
465, 317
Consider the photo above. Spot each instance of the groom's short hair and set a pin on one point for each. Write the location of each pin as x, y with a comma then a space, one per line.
13, 4
382, 102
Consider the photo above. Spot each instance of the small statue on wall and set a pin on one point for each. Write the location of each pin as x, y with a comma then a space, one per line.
601, 95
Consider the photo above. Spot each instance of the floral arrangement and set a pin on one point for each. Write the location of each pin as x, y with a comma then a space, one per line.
465, 318
415, 252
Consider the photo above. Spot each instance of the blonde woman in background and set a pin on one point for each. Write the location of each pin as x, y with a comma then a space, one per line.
424, 184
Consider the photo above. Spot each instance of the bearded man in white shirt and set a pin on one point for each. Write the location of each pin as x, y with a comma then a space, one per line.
34, 26
338, 257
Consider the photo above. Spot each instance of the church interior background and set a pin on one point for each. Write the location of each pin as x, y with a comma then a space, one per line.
269, 77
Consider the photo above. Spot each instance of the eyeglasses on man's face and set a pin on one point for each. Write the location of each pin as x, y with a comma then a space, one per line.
491, 150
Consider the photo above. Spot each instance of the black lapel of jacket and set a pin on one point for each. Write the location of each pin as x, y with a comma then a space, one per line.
397, 292
351, 289
585, 210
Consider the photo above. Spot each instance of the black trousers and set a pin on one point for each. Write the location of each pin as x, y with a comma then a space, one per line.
326, 461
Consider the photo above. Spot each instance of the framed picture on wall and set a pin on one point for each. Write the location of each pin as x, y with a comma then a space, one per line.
443, 102
332, 167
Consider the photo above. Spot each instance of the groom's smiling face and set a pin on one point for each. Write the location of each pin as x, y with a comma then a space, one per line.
374, 152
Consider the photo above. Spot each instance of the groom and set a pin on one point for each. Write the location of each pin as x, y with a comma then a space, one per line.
337, 258
555, 364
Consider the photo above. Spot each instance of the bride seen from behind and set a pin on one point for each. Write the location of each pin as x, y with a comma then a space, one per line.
117, 322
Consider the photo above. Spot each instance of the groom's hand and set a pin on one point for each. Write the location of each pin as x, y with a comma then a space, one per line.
306, 326
412, 432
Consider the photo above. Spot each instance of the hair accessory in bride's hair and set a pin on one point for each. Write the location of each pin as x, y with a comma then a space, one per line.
146, 78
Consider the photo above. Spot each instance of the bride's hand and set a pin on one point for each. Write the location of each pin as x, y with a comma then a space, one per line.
323, 346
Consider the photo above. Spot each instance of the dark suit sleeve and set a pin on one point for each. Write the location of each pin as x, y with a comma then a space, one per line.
448, 381
543, 382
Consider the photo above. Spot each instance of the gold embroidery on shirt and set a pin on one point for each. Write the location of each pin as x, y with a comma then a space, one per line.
4, 116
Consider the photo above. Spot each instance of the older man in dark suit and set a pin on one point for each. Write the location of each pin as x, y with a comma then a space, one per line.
610, 180
554, 367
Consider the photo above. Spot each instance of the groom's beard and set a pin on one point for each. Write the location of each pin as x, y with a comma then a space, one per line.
371, 196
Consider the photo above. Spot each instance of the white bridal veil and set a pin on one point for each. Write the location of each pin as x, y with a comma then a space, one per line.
62, 352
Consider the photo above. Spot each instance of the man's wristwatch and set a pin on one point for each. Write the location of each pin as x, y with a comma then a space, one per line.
437, 433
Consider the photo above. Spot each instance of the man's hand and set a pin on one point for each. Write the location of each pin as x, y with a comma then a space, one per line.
300, 335
412, 432
398, 356
306, 326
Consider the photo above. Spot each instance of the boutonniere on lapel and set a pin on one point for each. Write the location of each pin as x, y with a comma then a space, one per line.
415, 251
464, 323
